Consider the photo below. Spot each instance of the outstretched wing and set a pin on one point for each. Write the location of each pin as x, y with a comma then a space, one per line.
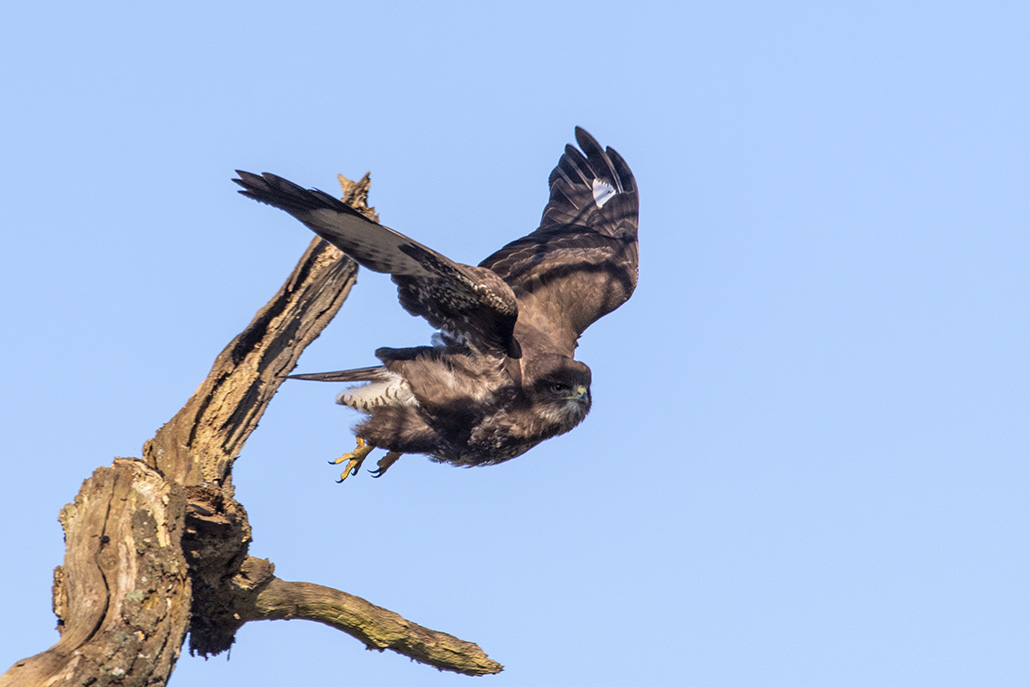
582, 262
471, 303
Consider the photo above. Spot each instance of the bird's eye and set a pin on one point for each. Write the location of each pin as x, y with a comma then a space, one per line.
558, 387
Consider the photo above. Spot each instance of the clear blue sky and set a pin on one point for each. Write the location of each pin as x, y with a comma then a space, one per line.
807, 462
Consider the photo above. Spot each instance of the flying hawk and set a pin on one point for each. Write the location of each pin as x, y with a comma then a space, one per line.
500, 377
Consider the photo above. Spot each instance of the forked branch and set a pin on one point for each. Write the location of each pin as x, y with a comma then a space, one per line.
159, 547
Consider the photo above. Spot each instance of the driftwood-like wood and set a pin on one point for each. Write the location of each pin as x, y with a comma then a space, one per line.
122, 595
265, 597
158, 547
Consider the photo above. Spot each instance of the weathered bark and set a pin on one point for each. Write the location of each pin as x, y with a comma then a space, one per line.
122, 595
158, 547
262, 596
199, 444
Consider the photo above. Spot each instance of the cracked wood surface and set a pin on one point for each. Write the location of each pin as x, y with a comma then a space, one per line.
122, 594
201, 442
159, 547
266, 597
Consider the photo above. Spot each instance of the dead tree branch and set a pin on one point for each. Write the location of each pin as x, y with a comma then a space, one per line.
158, 547
266, 597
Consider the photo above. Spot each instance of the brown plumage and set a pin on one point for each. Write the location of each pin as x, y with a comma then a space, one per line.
501, 377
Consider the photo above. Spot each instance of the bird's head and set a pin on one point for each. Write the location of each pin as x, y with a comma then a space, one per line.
561, 391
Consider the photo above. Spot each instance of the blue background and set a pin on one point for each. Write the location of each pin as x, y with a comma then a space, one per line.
807, 458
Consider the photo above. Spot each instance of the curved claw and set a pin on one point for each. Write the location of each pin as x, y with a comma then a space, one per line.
354, 459
385, 462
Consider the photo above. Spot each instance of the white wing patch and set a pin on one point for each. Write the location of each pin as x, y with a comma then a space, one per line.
603, 192
444, 339
392, 392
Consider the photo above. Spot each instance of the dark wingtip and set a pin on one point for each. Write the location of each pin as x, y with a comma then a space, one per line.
585, 140
245, 178
250, 183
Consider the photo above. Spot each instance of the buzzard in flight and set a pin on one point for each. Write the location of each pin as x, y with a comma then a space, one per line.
500, 377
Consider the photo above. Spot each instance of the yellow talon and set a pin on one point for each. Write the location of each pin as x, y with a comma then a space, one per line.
354, 459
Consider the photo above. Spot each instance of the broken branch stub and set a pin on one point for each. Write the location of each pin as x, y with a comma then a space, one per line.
159, 547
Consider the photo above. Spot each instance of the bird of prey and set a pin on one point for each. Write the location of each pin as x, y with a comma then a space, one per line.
500, 376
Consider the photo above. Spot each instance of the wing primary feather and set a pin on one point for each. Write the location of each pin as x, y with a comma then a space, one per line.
595, 155
624, 176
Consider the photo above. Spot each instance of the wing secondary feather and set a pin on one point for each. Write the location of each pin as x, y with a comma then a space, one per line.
581, 263
465, 301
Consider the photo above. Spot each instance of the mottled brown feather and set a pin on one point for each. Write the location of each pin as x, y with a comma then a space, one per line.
503, 379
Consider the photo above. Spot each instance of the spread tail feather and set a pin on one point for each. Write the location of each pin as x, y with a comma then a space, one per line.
385, 388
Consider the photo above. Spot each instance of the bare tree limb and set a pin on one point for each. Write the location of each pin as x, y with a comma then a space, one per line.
201, 442
159, 547
266, 597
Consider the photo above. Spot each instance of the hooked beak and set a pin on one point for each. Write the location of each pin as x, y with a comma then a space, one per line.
580, 393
